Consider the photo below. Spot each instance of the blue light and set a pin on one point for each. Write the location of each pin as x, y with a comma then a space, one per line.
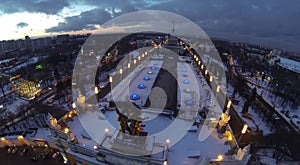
141, 86
153, 67
134, 96
183, 70
186, 81
189, 102
146, 78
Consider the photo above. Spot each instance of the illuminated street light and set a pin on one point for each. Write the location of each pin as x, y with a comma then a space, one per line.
218, 88
244, 129
168, 142
243, 132
106, 130
121, 71
165, 162
210, 78
134, 61
66, 130
206, 71
20, 137
199, 63
220, 158
73, 105
202, 66
110, 79
128, 66
96, 90
229, 104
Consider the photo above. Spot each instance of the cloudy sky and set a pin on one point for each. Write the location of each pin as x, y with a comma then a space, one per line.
273, 23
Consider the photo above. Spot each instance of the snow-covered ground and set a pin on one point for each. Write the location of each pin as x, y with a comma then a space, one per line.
286, 110
290, 64
30, 61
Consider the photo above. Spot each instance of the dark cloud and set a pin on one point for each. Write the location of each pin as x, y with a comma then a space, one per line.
83, 21
105, 11
267, 20
43, 6
21, 25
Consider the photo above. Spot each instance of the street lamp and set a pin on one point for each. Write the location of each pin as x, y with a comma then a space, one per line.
220, 158
66, 130
73, 105
243, 132
128, 65
168, 142
106, 130
96, 90
218, 88
110, 79
229, 104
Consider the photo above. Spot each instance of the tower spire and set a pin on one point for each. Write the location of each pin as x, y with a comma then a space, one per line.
173, 28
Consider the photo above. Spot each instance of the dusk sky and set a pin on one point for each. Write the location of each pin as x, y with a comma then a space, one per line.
273, 23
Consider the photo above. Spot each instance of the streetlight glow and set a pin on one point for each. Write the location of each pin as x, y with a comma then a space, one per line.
110, 79
220, 157
165, 162
244, 129
218, 88
73, 105
106, 130
229, 104
128, 66
66, 130
96, 90
20, 137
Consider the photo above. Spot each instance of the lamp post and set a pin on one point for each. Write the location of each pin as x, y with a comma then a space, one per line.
96, 93
121, 72
168, 142
243, 132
